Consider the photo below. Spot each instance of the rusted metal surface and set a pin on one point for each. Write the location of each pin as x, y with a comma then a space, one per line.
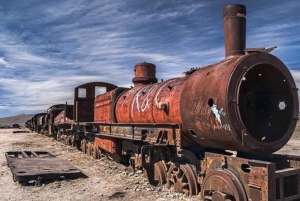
287, 184
144, 74
104, 106
234, 20
107, 143
160, 173
36, 122
183, 178
123, 106
223, 185
42, 123
225, 114
84, 103
235, 96
53, 111
157, 103
273, 178
97, 152
246, 103
65, 116
163, 134
39, 165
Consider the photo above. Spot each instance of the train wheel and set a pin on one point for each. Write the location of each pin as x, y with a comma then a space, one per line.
182, 177
83, 146
67, 140
160, 173
222, 185
73, 141
58, 136
63, 138
89, 149
96, 153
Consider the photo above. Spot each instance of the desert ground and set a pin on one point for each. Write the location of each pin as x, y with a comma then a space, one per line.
105, 179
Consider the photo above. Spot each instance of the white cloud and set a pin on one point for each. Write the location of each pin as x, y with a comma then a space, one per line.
4, 63
48, 49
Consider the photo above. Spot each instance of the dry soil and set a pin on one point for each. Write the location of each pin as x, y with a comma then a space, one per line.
106, 180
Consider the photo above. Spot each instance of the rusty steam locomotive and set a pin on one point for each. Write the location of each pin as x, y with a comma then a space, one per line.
211, 131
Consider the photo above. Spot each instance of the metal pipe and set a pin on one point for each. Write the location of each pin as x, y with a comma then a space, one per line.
234, 20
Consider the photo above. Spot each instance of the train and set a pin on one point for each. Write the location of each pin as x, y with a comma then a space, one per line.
211, 132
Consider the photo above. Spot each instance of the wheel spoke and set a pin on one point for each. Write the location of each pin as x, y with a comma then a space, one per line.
186, 191
183, 179
172, 181
185, 185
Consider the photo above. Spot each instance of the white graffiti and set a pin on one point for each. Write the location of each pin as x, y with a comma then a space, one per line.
216, 112
142, 105
224, 127
157, 93
221, 112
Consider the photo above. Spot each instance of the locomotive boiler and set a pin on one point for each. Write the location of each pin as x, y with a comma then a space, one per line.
211, 131
248, 102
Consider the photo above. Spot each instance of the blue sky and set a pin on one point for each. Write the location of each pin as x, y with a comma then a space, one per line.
47, 48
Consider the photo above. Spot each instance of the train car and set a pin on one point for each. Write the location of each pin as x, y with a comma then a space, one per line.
71, 127
36, 122
84, 96
52, 113
212, 131
65, 116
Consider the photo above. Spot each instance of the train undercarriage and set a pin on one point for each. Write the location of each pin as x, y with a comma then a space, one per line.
159, 151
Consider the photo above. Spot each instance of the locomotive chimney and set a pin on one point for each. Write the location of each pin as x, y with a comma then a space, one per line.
234, 19
144, 73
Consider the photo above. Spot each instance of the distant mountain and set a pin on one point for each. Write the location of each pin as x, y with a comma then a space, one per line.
18, 119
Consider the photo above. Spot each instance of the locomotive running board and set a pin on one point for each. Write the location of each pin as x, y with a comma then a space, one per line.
39, 166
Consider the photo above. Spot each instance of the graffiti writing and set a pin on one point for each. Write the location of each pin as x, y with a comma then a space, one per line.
216, 112
221, 112
222, 127
142, 104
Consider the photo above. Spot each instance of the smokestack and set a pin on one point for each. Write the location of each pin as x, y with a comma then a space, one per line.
234, 19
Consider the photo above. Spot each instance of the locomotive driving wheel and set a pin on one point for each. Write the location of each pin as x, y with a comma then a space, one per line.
160, 173
222, 185
97, 152
182, 177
